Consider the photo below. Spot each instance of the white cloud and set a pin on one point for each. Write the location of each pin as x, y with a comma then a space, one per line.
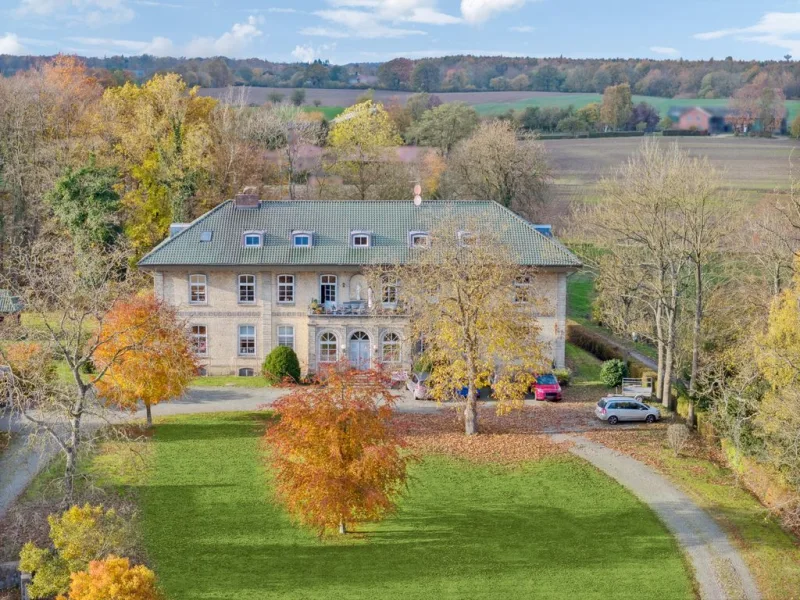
358, 24
10, 44
478, 11
232, 43
309, 53
522, 29
158, 46
376, 56
777, 29
93, 13
158, 4
665, 50
274, 9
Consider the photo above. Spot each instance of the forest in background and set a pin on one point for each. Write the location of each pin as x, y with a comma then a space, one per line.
663, 78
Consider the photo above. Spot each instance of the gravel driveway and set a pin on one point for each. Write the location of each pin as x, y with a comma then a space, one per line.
720, 571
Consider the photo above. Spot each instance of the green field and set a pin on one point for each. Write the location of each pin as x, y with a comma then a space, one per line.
579, 100
553, 529
329, 112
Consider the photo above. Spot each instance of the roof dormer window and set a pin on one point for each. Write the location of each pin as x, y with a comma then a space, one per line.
302, 239
360, 239
419, 239
252, 239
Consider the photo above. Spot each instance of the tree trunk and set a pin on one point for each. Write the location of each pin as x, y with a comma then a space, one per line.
698, 317
342, 528
471, 408
660, 344
71, 465
149, 415
669, 351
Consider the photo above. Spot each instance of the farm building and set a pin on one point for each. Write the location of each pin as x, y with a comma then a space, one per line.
712, 119
10, 306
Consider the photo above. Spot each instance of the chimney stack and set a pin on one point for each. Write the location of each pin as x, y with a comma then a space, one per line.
247, 198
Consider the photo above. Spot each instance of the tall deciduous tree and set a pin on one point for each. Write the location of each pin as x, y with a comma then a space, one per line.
758, 103
493, 164
426, 76
617, 105
446, 125
158, 364
358, 142
338, 459
474, 308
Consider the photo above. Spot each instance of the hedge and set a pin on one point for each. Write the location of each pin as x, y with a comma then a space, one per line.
615, 134
597, 346
684, 133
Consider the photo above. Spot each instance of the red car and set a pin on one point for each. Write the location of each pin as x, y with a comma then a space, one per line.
547, 387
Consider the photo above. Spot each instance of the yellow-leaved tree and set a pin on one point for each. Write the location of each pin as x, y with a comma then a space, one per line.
157, 363
358, 143
473, 307
161, 134
113, 578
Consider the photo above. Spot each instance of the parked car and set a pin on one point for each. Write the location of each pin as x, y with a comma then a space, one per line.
416, 385
547, 387
614, 409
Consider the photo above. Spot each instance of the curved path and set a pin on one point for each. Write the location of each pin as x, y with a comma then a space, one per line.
720, 572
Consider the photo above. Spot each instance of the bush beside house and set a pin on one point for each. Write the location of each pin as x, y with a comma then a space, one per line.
280, 364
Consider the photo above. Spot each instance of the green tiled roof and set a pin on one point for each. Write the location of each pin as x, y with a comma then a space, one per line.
9, 304
332, 221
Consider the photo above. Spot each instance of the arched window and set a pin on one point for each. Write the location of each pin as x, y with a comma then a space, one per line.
328, 348
390, 348
327, 289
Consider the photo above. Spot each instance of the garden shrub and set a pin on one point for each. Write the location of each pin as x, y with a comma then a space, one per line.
677, 437
612, 372
282, 364
563, 376
651, 375
113, 578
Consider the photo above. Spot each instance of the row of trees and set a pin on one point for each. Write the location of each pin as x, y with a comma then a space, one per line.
665, 78
682, 263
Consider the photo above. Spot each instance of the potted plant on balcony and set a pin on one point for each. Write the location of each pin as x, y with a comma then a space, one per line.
316, 307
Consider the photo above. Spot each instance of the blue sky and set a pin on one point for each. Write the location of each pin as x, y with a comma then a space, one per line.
377, 30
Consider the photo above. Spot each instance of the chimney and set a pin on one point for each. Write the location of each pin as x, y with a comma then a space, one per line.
247, 198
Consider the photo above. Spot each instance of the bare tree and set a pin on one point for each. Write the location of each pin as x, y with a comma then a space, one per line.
66, 296
493, 164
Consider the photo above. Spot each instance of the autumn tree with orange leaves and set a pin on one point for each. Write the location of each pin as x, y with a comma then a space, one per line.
113, 578
158, 363
338, 459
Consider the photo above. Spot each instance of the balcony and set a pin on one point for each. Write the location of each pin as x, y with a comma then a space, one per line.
356, 308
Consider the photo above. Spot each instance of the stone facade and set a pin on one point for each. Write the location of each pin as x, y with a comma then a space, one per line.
222, 314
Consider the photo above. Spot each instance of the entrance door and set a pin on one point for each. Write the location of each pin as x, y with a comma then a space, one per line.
359, 350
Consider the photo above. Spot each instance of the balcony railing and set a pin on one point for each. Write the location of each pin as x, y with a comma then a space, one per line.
355, 309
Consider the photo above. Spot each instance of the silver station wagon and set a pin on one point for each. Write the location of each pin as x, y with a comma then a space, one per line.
614, 409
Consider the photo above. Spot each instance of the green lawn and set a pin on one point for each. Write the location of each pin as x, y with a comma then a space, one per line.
580, 295
330, 112
229, 380
585, 367
553, 529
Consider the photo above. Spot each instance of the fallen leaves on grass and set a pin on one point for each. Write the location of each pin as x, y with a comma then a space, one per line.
512, 438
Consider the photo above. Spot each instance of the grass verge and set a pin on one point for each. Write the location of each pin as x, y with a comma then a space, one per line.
772, 553
229, 381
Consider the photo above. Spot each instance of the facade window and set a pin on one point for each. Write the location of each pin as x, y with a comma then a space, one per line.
285, 288
360, 240
390, 348
420, 240
201, 372
327, 289
389, 291
328, 348
247, 340
246, 372
286, 336
302, 239
199, 339
198, 289
522, 289
252, 240
247, 289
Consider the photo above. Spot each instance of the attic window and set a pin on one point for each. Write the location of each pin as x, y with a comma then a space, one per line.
360, 239
205, 236
303, 239
252, 239
419, 239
